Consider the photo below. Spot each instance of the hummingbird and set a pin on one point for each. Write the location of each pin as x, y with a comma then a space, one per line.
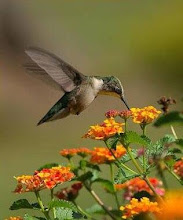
79, 90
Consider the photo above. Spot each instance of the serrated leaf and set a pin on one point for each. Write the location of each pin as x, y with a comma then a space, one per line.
62, 204
63, 213
124, 175
48, 166
126, 158
21, 204
179, 142
86, 176
170, 118
175, 151
132, 137
108, 185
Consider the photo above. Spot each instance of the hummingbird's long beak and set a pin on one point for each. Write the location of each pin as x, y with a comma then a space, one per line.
125, 103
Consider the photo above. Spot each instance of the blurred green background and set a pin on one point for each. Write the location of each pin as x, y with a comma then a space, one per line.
141, 42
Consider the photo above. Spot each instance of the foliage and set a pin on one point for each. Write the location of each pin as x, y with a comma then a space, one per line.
135, 156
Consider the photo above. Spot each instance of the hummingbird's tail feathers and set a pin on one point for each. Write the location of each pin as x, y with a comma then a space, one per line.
59, 110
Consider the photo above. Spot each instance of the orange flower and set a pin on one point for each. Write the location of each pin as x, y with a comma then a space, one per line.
101, 132
172, 207
82, 151
137, 207
144, 115
54, 176
46, 178
28, 184
14, 218
178, 168
68, 153
101, 155
137, 185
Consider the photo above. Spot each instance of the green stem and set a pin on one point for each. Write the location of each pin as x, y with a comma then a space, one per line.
83, 212
173, 174
173, 131
99, 201
42, 206
144, 133
118, 162
134, 161
112, 180
52, 198
125, 125
143, 174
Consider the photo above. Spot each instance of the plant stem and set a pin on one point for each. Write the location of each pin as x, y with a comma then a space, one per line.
118, 163
42, 206
173, 174
173, 131
144, 133
83, 212
99, 201
112, 180
52, 198
143, 174
134, 161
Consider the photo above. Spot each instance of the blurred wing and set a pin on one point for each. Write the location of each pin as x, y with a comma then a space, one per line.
52, 67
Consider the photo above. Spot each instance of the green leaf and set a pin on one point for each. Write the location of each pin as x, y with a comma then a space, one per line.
86, 176
132, 137
126, 158
179, 142
63, 214
108, 185
62, 204
174, 117
48, 166
21, 204
124, 175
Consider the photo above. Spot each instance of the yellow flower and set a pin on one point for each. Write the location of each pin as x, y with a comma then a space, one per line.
46, 178
107, 129
137, 207
144, 115
101, 155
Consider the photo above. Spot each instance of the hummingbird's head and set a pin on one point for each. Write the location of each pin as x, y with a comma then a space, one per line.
113, 86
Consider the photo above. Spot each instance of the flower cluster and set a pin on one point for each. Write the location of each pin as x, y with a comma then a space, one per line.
69, 153
46, 178
14, 218
137, 207
107, 129
178, 168
144, 115
114, 113
137, 185
69, 194
101, 155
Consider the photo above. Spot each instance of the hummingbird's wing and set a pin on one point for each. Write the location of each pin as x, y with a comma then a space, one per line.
53, 68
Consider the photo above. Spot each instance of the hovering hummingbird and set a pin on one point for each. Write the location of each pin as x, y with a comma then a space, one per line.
80, 90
